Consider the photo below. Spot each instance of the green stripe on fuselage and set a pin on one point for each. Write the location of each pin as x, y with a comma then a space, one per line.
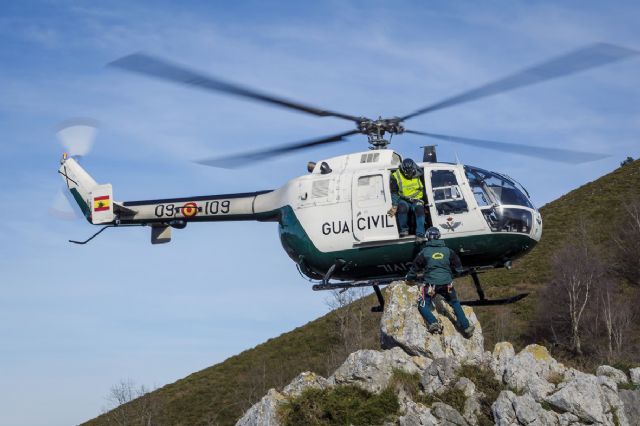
391, 260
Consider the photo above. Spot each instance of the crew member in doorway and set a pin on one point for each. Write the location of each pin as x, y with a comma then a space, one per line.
439, 264
407, 194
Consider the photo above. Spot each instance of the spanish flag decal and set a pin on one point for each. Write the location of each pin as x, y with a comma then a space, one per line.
101, 204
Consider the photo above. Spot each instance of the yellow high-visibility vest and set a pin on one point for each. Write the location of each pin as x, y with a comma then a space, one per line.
409, 188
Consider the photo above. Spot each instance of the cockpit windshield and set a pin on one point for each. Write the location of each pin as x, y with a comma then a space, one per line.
493, 188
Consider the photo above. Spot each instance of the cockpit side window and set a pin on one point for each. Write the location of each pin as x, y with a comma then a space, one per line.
446, 193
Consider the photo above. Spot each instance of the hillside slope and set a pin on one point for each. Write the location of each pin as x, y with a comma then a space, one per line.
221, 393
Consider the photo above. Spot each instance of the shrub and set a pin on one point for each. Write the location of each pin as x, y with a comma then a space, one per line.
341, 405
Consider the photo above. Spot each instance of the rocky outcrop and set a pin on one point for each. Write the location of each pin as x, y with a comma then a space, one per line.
403, 326
631, 401
305, 381
635, 376
529, 371
614, 374
372, 370
264, 412
528, 387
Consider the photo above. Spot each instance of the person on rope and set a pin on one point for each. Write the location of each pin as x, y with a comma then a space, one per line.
439, 264
407, 194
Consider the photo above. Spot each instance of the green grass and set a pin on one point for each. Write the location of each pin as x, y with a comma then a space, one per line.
407, 382
221, 393
451, 396
628, 386
341, 405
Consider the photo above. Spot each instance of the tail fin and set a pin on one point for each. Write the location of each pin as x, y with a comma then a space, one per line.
95, 201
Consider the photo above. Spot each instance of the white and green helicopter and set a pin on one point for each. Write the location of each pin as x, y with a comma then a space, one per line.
333, 222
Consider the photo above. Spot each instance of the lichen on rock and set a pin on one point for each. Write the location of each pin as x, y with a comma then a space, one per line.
403, 326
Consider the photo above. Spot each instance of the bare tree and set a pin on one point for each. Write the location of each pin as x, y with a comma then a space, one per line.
608, 313
577, 267
131, 405
350, 318
623, 320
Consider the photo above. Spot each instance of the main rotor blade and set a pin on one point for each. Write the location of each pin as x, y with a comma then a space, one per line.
159, 68
582, 59
553, 154
244, 159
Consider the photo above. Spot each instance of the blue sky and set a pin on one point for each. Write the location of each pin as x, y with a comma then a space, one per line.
76, 320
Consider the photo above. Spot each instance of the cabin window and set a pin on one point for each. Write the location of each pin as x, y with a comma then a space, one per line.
370, 191
446, 193
480, 191
395, 159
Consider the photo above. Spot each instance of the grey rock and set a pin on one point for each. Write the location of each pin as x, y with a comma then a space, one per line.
417, 415
372, 370
467, 387
581, 396
304, 381
635, 375
403, 326
502, 354
613, 373
631, 401
503, 412
447, 415
529, 370
472, 407
510, 409
264, 412
612, 402
440, 374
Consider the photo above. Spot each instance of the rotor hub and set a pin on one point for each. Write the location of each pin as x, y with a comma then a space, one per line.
376, 129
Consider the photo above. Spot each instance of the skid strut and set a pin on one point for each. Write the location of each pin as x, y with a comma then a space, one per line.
380, 307
483, 301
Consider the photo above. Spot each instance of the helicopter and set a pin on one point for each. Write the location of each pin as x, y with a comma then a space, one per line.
333, 221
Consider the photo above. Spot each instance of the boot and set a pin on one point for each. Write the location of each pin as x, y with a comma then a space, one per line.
468, 332
435, 328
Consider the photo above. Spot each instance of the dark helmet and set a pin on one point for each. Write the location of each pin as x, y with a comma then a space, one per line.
432, 233
409, 168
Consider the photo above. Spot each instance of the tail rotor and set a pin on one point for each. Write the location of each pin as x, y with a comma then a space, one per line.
76, 137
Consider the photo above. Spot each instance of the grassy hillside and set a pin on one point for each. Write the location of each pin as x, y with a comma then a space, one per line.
597, 205
221, 393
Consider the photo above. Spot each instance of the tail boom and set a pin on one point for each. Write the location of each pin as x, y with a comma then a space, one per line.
97, 205
207, 208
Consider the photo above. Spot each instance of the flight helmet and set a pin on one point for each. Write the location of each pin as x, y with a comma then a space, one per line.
432, 233
409, 168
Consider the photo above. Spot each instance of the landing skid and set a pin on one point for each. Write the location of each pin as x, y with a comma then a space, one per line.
494, 302
483, 301
344, 286
376, 284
